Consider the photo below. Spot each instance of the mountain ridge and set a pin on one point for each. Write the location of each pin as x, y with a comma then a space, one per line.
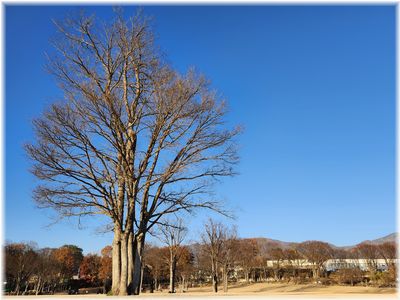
268, 243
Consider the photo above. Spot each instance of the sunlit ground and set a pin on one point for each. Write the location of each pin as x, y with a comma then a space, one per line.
265, 290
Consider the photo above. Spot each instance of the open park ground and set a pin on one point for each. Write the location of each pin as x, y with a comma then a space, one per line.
279, 290
264, 290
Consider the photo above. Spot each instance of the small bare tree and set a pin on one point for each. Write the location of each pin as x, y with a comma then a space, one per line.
155, 260
132, 139
185, 267
317, 253
173, 234
248, 251
277, 255
368, 253
388, 251
228, 254
293, 259
213, 240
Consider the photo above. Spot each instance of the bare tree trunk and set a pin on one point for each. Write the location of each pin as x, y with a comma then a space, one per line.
26, 288
17, 286
123, 287
141, 278
316, 272
116, 261
136, 270
156, 283
42, 287
37, 288
215, 283
214, 276
183, 283
225, 278
172, 267
138, 247
130, 263
276, 273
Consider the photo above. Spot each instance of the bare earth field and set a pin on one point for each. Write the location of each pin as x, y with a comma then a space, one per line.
263, 290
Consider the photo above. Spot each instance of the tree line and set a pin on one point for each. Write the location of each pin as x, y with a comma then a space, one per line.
33, 270
218, 260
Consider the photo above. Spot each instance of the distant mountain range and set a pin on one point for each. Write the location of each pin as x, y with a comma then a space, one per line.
388, 238
266, 244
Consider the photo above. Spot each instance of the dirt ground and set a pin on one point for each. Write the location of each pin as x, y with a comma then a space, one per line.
263, 290
279, 289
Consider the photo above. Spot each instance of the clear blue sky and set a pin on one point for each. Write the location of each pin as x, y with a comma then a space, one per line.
314, 88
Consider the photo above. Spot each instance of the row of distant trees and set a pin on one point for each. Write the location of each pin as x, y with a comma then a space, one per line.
222, 257
29, 269
219, 259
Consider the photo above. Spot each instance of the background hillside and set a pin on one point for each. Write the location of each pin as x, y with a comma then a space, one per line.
267, 244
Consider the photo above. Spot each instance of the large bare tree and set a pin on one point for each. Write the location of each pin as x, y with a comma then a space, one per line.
132, 139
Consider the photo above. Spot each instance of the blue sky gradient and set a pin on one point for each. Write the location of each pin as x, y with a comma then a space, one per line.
313, 86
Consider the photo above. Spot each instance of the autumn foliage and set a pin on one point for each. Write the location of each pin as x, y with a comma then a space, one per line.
30, 270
